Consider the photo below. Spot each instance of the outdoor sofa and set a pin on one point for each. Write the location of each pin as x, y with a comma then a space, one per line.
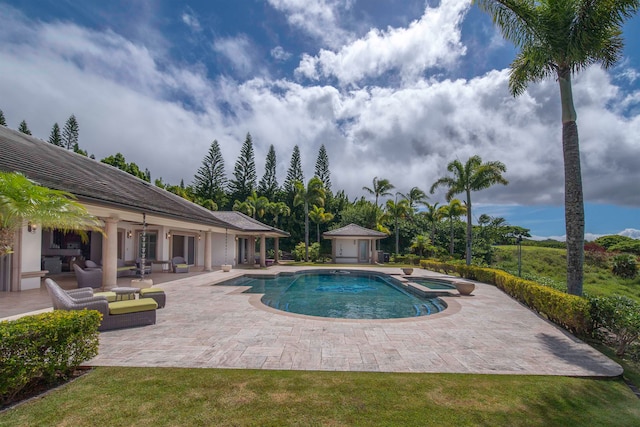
179, 265
115, 315
125, 270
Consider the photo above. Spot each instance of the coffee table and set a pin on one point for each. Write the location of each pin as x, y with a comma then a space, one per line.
125, 293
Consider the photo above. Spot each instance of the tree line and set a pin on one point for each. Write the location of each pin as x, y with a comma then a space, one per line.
416, 225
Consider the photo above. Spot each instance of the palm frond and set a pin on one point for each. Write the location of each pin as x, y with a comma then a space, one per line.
516, 20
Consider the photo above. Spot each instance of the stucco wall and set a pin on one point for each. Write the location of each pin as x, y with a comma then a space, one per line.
346, 250
31, 250
218, 252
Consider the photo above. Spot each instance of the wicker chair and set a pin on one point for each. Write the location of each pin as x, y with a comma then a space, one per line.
179, 265
90, 265
88, 278
77, 300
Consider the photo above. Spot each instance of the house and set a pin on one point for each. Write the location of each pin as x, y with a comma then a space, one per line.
173, 226
353, 244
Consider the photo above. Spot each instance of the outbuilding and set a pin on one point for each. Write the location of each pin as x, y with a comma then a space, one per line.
353, 244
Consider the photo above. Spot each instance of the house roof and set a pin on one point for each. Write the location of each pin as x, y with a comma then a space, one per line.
93, 181
246, 223
353, 230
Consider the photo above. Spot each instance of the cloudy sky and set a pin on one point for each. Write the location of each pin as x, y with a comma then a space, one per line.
393, 88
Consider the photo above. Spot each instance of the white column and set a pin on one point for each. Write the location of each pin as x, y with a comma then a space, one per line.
251, 258
372, 244
15, 283
207, 251
263, 250
110, 254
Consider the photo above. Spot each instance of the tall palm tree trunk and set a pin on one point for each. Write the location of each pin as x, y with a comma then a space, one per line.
397, 237
573, 199
469, 235
306, 231
451, 236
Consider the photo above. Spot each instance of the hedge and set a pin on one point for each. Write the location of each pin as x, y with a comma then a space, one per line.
45, 347
569, 311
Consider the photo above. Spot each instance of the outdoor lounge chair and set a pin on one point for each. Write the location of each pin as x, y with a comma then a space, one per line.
179, 265
125, 270
115, 315
88, 278
90, 265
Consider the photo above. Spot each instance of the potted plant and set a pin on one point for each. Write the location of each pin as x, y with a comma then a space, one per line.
464, 287
407, 270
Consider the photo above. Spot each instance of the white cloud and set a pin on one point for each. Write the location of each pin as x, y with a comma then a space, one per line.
630, 232
279, 54
590, 237
238, 51
319, 18
165, 117
191, 21
430, 42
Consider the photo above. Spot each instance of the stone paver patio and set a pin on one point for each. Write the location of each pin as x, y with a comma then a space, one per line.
220, 327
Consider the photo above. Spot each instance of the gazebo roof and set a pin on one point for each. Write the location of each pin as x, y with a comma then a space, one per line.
353, 230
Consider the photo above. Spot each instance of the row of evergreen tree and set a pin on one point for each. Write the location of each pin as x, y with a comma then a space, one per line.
291, 205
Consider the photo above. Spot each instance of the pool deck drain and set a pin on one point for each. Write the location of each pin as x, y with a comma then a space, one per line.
207, 326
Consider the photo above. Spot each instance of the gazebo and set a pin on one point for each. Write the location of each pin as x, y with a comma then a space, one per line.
353, 244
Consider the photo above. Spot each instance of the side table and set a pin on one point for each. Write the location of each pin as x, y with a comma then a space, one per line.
124, 293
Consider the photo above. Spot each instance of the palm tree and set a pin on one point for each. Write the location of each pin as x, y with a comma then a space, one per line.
415, 196
276, 209
259, 204
432, 216
22, 200
397, 210
313, 194
455, 209
558, 38
420, 244
319, 216
244, 207
381, 187
472, 176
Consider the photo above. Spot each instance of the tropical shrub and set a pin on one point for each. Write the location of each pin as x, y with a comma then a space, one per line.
625, 266
45, 348
629, 246
620, 316
612, 240
271, 253
596, 255
314, 252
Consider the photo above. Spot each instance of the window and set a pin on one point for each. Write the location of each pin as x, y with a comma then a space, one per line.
151, 245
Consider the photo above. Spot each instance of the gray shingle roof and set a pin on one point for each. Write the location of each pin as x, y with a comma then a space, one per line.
92, 181
353, 230
246, 223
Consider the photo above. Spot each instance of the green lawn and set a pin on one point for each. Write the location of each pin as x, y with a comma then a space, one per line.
551, 263
207, 397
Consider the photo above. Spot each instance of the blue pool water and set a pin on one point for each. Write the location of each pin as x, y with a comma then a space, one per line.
340, 294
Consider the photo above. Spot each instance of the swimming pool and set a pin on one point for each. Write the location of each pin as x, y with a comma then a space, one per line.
346, 294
